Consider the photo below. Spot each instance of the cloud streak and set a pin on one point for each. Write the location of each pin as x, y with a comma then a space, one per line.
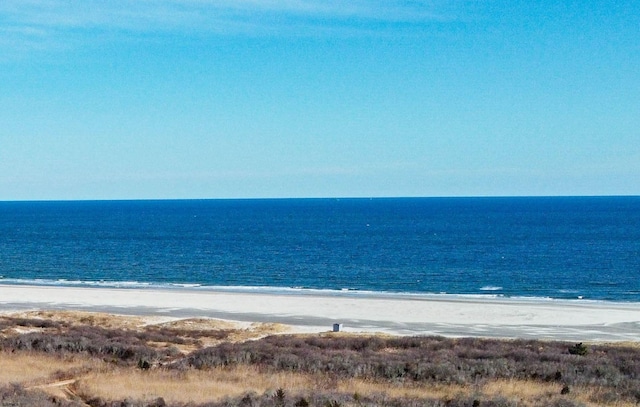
221, 16
28, 26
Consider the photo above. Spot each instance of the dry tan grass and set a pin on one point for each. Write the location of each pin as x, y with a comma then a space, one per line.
205, 330
203, 386
237, 332
530, 393
590, 397
98, 379
190, 386
241, 332
259, 330
206, 386
35, 368
110, 321
520, 388
526, 393
414, 390
626, 344
199, 324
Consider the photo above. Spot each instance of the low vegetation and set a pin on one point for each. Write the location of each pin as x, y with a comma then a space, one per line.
100, 362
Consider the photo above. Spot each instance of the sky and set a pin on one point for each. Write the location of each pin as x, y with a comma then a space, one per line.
173, 99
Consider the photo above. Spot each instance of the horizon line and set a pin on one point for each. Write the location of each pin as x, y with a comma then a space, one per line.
382, 197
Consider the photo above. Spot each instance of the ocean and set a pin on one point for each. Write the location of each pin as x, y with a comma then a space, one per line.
582, 248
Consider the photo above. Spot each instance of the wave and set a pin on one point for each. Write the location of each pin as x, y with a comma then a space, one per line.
338, 292
490, 288
72, 283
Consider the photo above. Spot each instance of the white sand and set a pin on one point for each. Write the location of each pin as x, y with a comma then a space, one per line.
315, 312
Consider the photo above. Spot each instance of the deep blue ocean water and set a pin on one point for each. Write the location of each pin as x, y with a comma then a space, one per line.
557, 247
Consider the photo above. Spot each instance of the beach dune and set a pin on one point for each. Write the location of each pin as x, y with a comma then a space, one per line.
317, 311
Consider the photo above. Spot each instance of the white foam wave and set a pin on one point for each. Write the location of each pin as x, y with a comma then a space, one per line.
491, 288
280, 290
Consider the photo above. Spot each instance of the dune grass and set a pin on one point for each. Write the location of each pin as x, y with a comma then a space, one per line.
187, 386
30, 368
223, 385
232, 365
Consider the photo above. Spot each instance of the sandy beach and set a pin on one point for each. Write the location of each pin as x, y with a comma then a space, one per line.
451, 316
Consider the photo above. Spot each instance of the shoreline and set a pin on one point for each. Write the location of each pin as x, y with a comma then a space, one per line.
308, 312
302, 291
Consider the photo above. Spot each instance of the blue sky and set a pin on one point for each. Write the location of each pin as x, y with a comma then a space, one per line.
129, 99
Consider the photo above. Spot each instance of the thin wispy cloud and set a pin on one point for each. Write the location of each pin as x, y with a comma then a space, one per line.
221, 16
53, 25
